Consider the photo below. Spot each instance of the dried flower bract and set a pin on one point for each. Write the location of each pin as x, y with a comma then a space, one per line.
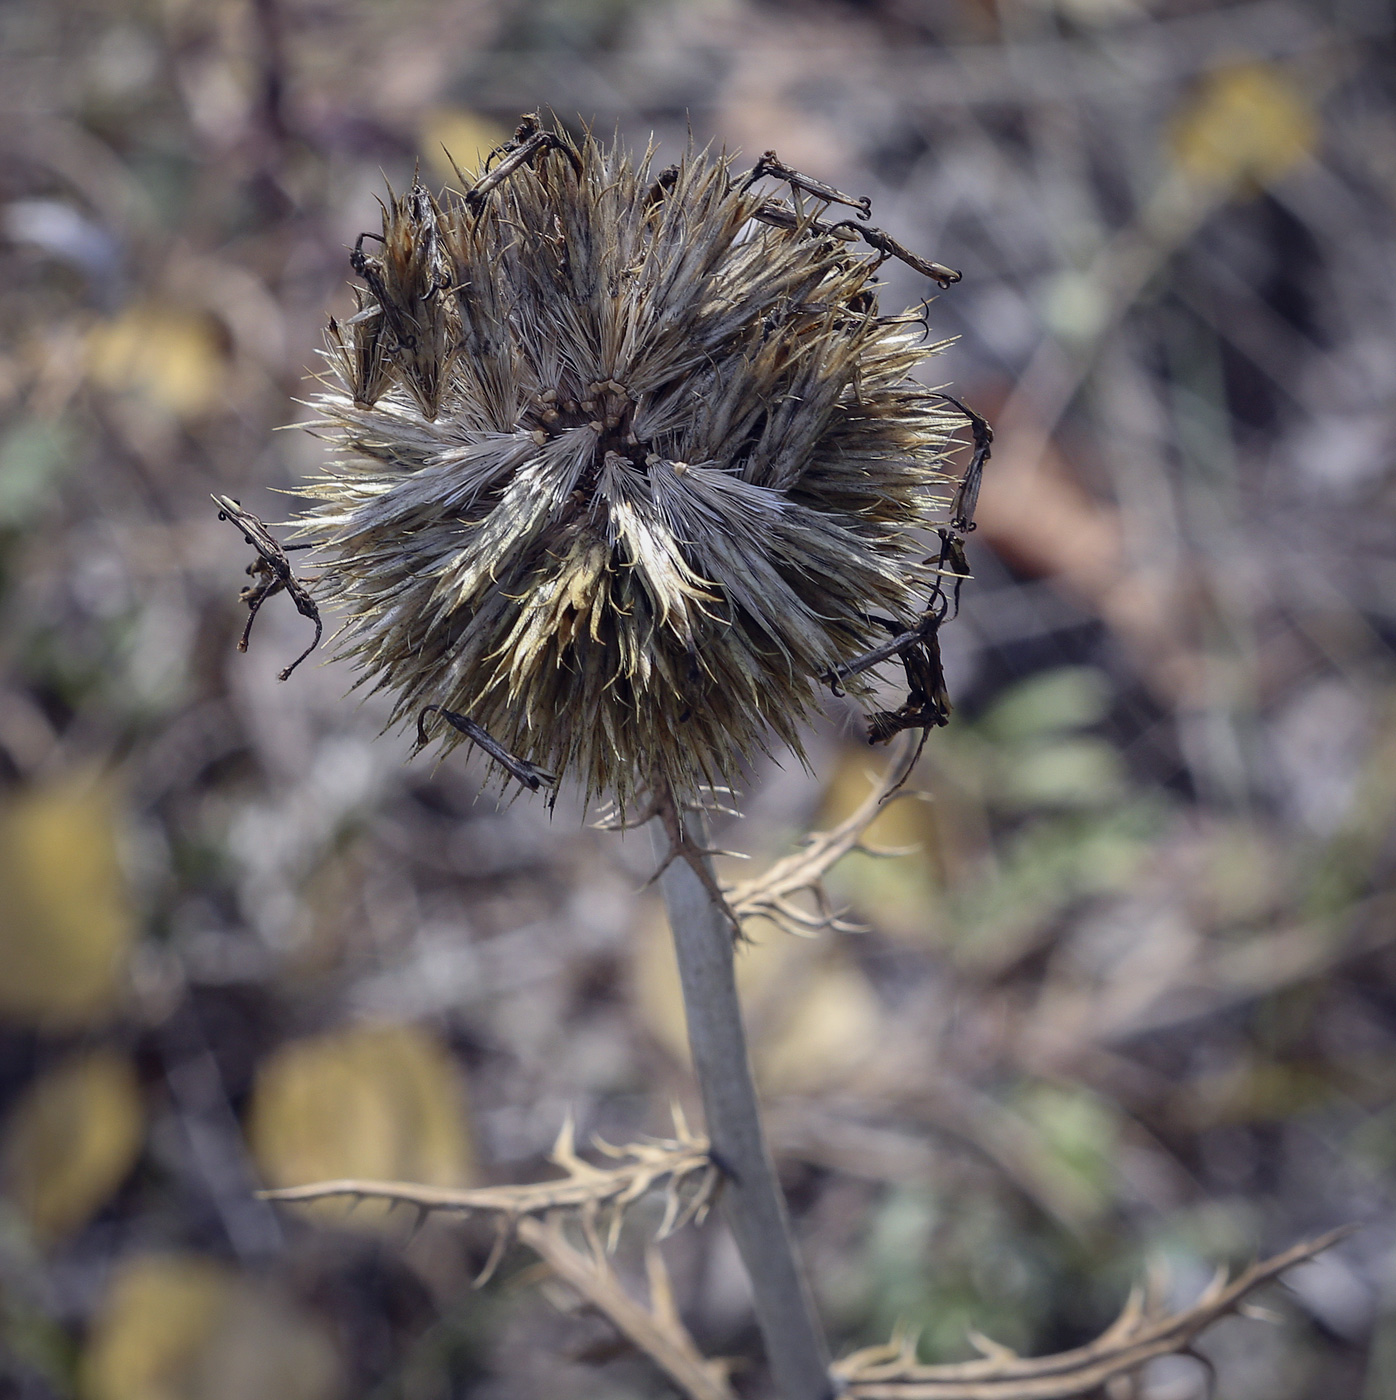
627, 461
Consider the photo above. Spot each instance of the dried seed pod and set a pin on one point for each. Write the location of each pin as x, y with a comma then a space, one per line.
646, 467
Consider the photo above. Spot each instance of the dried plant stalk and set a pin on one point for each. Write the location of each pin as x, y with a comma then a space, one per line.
752, 1202
1135, 1338
682, 1163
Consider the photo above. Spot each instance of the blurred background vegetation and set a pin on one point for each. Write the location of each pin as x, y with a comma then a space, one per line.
1133, 996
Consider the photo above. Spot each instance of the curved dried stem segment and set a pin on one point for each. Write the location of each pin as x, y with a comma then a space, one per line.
658, 1331
529, 774
1137, 1336
598, 1195
772, 894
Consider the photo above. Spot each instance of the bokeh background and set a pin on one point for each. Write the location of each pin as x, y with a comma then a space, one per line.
1133, 996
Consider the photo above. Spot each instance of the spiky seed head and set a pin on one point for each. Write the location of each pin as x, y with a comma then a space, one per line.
622, 468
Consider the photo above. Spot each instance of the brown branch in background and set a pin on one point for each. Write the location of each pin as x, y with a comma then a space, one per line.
272, 72
889, 1372
682, 1163
690, 1182
658, 1331
772, 894
1139, 1335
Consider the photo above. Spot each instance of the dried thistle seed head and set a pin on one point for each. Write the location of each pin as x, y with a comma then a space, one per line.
626, 462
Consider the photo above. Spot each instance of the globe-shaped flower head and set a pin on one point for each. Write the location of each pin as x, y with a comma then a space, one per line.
626, 462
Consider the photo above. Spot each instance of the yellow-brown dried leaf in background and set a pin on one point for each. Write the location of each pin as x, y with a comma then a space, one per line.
158, 1313
182, 1327
768, 960
898, 895
1246, 124
456, 133
829, 1031
168, 355
383, 1102
811, 1016
66, 924
71, 1140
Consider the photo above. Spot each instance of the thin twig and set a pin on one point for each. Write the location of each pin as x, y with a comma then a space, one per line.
273, 572
657, 1330
1137, 1336
682, 1163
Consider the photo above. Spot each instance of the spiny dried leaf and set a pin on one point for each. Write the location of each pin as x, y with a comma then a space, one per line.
624, 469
680, 1164
1137, 1336
772, 894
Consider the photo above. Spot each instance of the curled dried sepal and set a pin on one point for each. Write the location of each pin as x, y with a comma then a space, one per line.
1137, 1336
530, 775
273, 574
628, 460
407, 285
682, 1165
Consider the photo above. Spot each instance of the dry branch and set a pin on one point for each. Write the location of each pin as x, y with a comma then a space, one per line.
1136, 1337
682, 1163
657, 1330
772, 894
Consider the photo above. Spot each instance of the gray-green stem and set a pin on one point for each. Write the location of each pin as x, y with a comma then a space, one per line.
752, 1202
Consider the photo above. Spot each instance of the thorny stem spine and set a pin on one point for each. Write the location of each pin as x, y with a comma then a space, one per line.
751, 1197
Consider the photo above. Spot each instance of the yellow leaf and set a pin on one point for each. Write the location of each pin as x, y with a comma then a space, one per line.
899, 896
454, 133
66, 926
265, 1348
181, 1327
158, 1314
168, 355
768, 963
383, 1102
71, 1140
829, 1031
1248, 123
811, 1017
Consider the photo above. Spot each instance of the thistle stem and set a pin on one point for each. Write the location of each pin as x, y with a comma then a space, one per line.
751, 1197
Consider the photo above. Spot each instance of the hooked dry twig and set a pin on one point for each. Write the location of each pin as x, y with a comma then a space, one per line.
1137, 1336
657, 1330
588, 1189
771, 895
